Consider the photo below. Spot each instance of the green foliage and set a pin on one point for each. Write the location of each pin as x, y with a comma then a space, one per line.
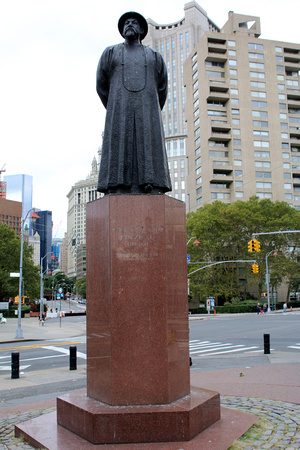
10, 248
224, 231
53, 282
81, 287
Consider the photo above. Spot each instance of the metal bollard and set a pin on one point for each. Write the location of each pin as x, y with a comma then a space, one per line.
73, 357
266, 344
15, 365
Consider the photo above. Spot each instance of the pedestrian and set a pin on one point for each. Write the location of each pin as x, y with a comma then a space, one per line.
284, 308
258, 308
265, 308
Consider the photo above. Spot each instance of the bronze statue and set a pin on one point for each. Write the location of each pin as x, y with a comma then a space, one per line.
132, 84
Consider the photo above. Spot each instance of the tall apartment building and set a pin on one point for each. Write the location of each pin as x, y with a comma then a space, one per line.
243, 116
175, 41
81, 193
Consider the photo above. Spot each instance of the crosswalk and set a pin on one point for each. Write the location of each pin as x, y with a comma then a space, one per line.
295, 346
208, 348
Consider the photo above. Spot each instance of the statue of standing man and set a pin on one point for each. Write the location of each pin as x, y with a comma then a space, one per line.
132, 84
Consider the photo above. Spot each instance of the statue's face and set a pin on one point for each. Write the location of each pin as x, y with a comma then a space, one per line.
132, 28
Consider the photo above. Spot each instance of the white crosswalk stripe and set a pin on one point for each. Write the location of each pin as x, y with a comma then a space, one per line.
207, 348
296, 346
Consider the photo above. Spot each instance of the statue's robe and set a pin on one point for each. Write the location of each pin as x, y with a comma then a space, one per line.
132, 84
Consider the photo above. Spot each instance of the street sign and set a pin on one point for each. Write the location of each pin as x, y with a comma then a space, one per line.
188, 258
60, 290
14, 274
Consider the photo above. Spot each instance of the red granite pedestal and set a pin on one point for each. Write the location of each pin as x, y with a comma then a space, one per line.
138, 377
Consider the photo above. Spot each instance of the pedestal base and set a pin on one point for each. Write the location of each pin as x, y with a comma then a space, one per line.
100, 423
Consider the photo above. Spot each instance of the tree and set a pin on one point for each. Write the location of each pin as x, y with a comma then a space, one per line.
224, 232
10, 248
81, 287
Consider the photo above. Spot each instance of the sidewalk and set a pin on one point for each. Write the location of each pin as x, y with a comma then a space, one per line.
271, 392
32, 330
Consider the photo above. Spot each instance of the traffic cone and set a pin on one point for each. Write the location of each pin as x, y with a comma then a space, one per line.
291, 309
215, 312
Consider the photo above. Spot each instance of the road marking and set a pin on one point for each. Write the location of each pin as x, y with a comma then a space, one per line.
207, 345
221, 347
230, 351
207, 348
297, 346
22, 347
9, 367
65, 351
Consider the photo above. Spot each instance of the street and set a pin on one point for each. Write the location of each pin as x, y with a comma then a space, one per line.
225, 341
216, 342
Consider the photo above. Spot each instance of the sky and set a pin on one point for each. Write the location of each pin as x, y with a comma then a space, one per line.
51, 118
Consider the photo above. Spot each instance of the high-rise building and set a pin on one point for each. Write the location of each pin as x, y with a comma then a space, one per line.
243, 113
81, 193
175, 41
11, 214
19, 188
55, 259
64, 255
43, 226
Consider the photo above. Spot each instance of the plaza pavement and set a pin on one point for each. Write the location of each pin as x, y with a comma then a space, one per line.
271, 392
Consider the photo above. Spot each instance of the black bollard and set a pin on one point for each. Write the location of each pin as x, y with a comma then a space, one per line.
73, 357
266, 344
15, 365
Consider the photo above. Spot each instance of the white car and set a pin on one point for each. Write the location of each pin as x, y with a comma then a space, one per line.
2, 320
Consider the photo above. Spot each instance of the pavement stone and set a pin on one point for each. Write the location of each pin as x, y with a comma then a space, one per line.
281, 433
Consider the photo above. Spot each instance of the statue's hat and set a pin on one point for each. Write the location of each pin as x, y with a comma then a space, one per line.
139, 17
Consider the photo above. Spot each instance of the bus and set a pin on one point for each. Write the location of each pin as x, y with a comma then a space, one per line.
25, 300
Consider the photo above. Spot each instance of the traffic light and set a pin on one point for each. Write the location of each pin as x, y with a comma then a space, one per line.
255, 268
256, 245
251, 246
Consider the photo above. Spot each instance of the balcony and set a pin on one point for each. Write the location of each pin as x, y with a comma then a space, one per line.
222, 177
216, 97
217, 87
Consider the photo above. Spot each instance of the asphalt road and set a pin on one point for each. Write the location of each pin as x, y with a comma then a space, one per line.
225, 341
221, 340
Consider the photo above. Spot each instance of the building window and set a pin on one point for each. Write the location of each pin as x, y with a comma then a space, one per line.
260, 185
258, 84
256, 55
265, 144
257, 75
239, 194
231, 43
255, 65
255, 46
261, 154
262, 195
260, 133
259, 113
259, 94
260, 174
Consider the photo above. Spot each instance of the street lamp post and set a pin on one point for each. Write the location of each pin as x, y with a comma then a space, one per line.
42, 286
33, 216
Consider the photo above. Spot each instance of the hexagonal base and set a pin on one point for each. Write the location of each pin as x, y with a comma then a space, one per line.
100, 423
